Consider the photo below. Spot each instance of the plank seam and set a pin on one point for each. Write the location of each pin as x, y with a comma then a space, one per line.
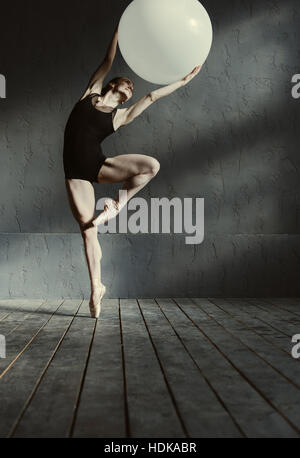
126, 410
164, 375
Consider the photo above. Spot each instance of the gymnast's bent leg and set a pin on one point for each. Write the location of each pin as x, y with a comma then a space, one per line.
135, 170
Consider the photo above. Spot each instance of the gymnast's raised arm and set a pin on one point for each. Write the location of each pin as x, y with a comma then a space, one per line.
96, 81
127, 115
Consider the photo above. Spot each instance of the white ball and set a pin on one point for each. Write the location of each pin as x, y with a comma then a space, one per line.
163, 40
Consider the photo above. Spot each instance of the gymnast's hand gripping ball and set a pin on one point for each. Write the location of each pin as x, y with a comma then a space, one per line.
163, 40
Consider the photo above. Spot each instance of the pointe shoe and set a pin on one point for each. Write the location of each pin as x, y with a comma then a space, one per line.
111, 209
95, 309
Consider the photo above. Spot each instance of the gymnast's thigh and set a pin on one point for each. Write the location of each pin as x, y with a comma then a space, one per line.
81, 198
119, 168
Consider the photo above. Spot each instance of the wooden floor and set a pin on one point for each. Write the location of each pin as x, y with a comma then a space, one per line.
171, 368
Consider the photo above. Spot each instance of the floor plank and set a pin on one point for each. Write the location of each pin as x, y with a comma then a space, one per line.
101, 411
151, 411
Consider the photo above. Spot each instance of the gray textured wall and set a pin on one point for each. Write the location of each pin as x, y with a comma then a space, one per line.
231, 137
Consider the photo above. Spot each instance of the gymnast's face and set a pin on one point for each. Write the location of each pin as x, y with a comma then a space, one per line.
125, 89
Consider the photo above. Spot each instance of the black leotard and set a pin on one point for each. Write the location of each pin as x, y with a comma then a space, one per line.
86, 128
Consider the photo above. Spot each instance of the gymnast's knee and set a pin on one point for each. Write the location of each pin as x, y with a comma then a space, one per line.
154, 167
88, 230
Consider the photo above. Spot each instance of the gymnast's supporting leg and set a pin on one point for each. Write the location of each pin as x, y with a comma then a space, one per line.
93, 255
82, 202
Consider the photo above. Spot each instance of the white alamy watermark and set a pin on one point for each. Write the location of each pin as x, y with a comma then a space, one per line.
159, 216
2, 346
2, 87
296, 348
296, 88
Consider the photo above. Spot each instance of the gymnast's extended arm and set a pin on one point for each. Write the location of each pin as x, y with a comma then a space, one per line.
127, 115
96, 81
166, 90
